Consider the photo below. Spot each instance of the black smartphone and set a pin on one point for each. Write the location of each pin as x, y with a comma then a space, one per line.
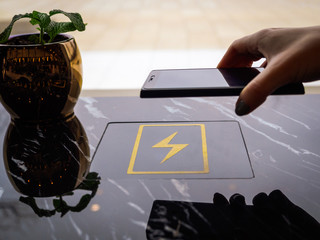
205, 82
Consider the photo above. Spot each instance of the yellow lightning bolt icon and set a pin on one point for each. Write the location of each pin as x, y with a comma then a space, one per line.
165, 144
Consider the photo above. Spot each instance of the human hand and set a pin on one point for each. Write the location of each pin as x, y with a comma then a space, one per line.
272, 216
292, 55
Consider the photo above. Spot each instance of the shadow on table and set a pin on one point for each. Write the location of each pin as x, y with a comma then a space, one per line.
271, 216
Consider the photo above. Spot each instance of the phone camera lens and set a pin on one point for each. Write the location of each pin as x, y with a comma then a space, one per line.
151, 78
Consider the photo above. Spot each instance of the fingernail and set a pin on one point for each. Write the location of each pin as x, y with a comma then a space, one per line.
237, 199
219, 200
260, 200
242, 108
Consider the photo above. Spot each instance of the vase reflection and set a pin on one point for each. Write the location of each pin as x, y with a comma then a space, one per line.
47, 159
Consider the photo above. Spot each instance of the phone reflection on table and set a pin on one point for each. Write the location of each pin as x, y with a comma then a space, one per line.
271, 216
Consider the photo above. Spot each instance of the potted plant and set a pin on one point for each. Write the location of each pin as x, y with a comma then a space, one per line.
46, 151
41, 74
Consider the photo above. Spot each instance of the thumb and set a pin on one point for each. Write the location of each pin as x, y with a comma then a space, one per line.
257, 91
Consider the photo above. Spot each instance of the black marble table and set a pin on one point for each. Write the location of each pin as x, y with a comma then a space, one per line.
278, 145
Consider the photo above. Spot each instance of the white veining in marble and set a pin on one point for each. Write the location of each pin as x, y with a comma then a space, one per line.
87, 157
287, 172
173, 110
257, 153
17, 177
285, 145
147, 190
75, 226
307, 152
92, 148
20, 164
194, 209
230, 113
176, 232
182, 187
125, 237
71, 154
33, 141
224, 110
272, 159
139, 223
136, 207
113, 233
167, 192
179, 103
272, 125
94, 111
311, 201
292, 119
125, 191
49, 219
311, 168
53, 237
93, 136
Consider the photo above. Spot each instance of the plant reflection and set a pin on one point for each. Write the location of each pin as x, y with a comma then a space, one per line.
50, 159
91, 183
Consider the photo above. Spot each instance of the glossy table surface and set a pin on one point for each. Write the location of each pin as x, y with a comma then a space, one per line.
276, 147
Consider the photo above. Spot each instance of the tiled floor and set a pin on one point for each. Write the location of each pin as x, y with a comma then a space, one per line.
125, 39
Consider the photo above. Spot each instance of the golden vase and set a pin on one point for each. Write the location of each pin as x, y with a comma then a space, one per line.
40, 82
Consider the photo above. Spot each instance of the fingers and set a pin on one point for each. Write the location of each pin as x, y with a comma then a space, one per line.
257, 91
242, 52
291, 56
233, 58
296, 215
220, 200
237, 200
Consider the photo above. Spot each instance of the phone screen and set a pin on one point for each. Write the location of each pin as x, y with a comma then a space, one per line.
205, 82
201, 78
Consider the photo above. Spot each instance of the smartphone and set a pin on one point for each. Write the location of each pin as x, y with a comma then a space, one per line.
205, 82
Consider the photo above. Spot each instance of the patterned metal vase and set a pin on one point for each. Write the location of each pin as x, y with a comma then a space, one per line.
39, 83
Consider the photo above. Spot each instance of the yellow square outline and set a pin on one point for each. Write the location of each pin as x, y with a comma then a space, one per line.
137, 142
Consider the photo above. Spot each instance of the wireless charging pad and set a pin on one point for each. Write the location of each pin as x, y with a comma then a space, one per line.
175, 150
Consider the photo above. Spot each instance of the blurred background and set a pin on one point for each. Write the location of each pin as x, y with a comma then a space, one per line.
126, 39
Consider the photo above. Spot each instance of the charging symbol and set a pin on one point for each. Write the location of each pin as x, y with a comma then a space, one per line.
175, 148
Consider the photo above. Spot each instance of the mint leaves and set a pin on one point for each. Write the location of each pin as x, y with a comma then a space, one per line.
6, 33
46, 25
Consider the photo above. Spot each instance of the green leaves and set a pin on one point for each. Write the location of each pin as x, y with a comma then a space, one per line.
42, 19
75, 18
91, 183
54, 28
32, 203
6, 33
46, 25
